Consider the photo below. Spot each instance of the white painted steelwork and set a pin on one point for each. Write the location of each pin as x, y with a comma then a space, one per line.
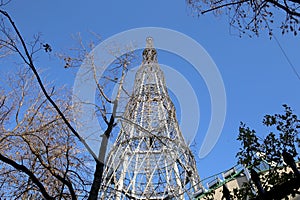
150, 159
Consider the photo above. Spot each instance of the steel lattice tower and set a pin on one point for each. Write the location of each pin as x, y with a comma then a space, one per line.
150, 159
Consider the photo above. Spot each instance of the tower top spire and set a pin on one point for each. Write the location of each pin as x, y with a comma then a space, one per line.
149, 53
149, 42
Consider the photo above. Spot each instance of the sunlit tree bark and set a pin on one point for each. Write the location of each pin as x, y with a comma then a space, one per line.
40, 146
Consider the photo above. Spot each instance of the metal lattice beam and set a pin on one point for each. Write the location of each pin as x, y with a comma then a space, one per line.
150, 159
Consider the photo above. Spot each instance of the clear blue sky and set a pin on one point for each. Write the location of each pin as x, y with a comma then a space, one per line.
257, 77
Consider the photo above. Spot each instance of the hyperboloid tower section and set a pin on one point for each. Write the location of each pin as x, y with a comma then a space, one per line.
150, 159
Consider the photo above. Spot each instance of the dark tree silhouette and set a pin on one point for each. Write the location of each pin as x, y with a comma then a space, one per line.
40, 177
253, 16
271, 159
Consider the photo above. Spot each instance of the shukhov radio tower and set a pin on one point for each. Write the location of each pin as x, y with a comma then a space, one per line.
150, 159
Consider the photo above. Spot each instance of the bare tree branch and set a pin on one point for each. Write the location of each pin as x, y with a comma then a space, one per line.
285, 8
29, 173
30, 63
223, 5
